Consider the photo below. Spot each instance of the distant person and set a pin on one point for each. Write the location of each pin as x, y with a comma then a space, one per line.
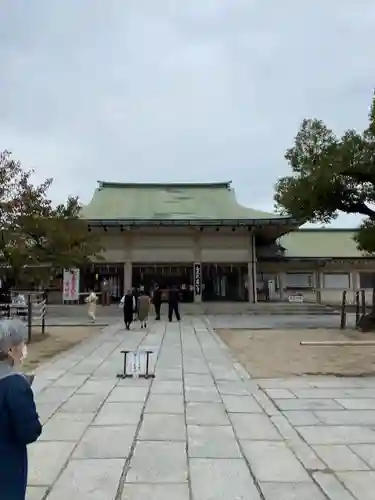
156, 299
105, 292
91, 300
129, 305
143, 308
173, 303
135, 295
19, 421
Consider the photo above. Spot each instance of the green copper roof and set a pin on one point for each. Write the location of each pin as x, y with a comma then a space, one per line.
115, 201
321, 243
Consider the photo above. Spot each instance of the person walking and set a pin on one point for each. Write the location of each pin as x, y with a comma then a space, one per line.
91, 300
173, 303
156, 299
143, 308
128, 301
19, 420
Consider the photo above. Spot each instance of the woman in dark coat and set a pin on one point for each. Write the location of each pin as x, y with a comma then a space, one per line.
19, 421
129, 307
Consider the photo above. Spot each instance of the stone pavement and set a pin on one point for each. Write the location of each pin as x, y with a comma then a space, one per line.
201, 430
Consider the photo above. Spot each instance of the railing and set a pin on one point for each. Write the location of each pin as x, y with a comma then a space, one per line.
33, 309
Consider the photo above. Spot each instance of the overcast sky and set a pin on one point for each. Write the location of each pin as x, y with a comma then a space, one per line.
170, 90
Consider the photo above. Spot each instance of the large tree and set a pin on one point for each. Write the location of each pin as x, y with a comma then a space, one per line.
34, 232
332, 174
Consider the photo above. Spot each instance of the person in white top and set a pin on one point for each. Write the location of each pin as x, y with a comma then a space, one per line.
91, 300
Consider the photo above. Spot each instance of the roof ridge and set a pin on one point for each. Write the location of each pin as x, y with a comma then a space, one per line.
109, 184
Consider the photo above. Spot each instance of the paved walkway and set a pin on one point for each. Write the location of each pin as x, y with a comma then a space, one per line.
202, 430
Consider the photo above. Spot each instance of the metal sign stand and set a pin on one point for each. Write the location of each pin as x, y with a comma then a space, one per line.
136, 368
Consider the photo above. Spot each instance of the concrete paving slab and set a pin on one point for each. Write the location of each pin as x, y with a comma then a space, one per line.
291, 491
304, 417
193, 380
106, 442
46, 410
158, 427
167, 387
66, 426
46, 461
307, 404
97, 386
241, 404
360, 484
273, 461
366, 452
340, 458
254, 426
322, 434
35, 493
128, 394
162, 403
280, 393
158, 462
155, 492
70, 380
357, 404
168, 373
212, 442
232, 388
221, 479
344, 392
83, 403
202, 394
119, 414
332, 487
88, 480
352, 417
54, 395
206, 414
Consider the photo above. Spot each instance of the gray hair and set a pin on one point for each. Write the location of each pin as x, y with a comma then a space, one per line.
12, 333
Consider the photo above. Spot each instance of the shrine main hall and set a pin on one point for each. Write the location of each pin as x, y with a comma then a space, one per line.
199, 238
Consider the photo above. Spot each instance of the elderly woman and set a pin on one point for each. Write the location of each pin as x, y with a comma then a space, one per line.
19, 421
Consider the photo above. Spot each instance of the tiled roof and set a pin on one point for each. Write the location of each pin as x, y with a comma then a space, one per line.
115, 201
315, 243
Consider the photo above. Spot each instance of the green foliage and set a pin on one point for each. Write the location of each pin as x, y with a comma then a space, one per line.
33, 231
330, 175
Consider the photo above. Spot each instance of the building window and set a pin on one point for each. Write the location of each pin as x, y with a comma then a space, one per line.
337, 281
366, 279
225, 282
299, 280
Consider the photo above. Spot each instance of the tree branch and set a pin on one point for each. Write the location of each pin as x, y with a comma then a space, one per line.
357, 208
359, 176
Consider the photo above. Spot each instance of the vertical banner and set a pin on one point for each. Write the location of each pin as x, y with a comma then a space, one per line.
197, 279
70, 284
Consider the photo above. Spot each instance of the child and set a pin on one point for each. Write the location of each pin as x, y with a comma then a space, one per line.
91, 301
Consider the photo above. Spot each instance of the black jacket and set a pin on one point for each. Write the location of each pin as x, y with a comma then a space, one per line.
19, 426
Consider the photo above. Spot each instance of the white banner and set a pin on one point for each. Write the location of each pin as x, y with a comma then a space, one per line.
71, 284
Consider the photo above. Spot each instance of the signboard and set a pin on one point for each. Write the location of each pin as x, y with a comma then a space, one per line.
296, 298
136, 364
71, 284
197, 279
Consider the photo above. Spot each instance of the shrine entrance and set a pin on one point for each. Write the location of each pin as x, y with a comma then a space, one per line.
146, 276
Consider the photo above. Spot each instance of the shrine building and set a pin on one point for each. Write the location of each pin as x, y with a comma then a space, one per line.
199, 238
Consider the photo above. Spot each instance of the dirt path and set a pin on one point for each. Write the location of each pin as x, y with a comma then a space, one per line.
55, 340
278, 353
